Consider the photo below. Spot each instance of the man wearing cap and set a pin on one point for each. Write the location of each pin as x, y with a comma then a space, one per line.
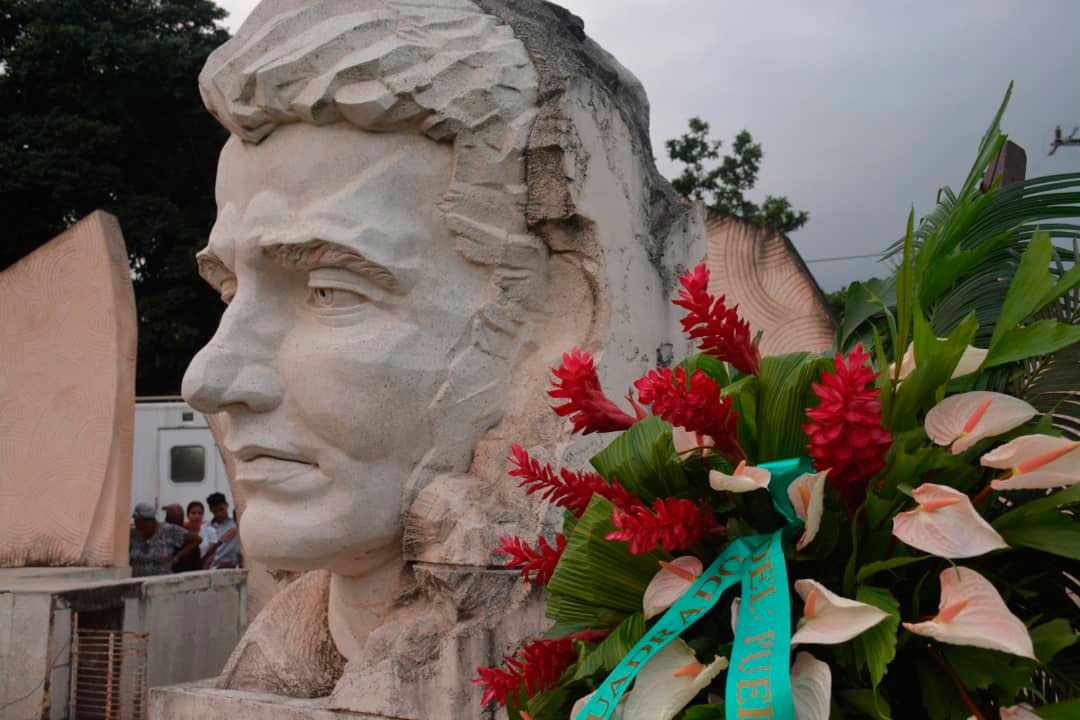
153, 545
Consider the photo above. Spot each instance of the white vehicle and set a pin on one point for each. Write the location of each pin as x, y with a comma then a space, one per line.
175, 458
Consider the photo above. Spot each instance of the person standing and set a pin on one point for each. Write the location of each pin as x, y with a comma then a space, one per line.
221, 543
195, 513
153, 545
187, 558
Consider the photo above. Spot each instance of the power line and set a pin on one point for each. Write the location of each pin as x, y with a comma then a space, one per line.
845, 257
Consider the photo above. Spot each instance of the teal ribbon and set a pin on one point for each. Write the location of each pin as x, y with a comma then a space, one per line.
758, 677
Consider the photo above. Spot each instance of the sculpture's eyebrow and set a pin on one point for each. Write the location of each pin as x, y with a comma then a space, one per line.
318, 253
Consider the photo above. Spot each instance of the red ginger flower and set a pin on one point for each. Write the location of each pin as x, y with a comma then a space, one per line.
717, 327
700, 408
568, 489
538, 665
589, 409
541, 560
674, 524
845, 430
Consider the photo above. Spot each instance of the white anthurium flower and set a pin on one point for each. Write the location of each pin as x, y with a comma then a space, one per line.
965, 419
1016, 712
620, 707
970, 361
811, 688
736, 602
807, 495
669, 681
946, 524
972, 612
668, 585
686, 441
829, 619
1035, 462
744, 479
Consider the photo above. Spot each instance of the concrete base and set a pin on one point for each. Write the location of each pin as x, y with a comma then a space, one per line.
17, 578
199, 701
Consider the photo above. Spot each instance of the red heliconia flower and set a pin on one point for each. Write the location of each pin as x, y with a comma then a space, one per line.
697, 406
540, 561
589, 409
537, 665
717, 327
568, 489
673, 523
845, 430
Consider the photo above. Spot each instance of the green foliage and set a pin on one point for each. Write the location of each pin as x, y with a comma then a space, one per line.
643, 460
598, 583
935, 361
99, 108
606, 655
1051, 638
876, 647
981, 669
930, 305
1046, 524
784, 393
988, 251
867, 702
940, 698
728, 183
1068, 710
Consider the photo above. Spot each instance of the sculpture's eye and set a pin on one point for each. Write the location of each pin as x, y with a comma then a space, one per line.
332, 298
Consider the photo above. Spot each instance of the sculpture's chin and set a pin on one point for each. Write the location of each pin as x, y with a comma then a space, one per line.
298, 540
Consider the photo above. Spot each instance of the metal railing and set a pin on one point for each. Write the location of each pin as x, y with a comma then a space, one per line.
108, 674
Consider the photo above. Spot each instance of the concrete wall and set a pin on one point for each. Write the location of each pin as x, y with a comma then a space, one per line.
194, 621
25, 658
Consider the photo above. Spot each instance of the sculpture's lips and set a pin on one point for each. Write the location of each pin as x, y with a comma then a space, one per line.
247, 453
261, 466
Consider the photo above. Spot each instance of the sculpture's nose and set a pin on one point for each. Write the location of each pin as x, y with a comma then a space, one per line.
234, 369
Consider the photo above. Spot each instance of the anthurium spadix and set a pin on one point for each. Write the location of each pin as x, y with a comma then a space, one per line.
965, 419
1035, 462
829, 619
811, 688
807, 495
972, 612
970, 361
669, 584
946, 524
669, 681
743, 479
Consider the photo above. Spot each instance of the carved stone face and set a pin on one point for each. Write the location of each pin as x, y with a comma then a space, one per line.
347, 302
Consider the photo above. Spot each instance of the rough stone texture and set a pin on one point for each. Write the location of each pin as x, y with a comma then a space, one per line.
759, 270
67, 399
505, 210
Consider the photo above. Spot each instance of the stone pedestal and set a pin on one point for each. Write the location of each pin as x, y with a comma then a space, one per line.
201, 700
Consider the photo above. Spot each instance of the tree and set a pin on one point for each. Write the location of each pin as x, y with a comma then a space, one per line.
731, 180
99, 108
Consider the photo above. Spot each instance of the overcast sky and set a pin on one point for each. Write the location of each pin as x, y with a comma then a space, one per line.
863, 109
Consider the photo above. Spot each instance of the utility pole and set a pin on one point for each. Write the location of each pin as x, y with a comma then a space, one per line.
1059, 141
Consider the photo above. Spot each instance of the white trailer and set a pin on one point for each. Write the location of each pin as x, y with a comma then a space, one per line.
175, 458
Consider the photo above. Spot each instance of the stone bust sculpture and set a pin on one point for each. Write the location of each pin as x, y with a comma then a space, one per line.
421, 206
